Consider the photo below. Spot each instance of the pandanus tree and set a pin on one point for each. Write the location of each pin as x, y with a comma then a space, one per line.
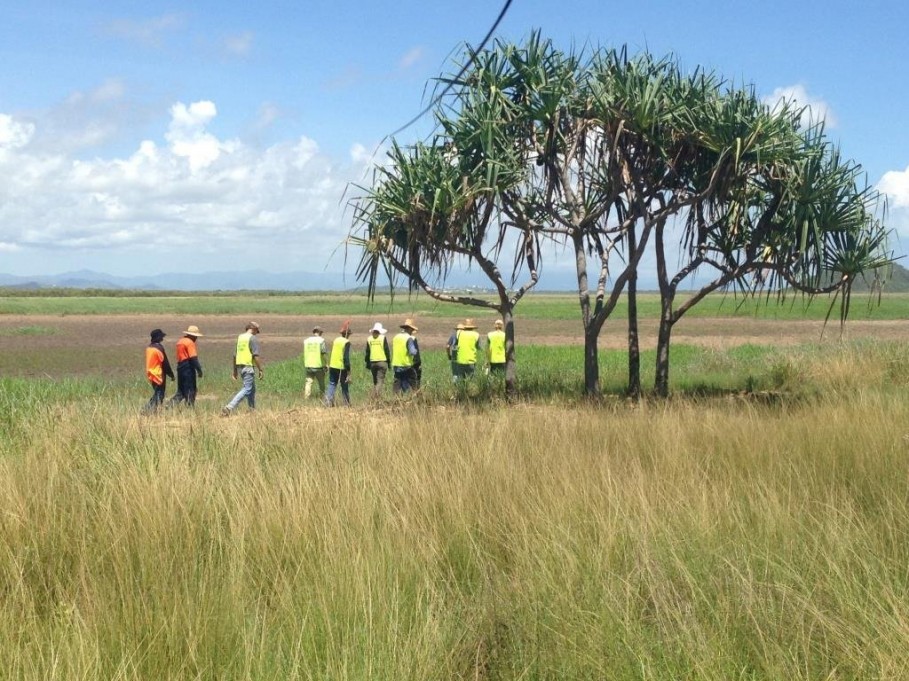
782, 208
435, 205
616, 156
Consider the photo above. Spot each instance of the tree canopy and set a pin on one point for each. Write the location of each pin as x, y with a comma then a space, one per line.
613, 156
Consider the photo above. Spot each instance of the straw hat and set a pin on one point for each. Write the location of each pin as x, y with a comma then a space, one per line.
460, 326
408, 324
378, 327
193, 331
468, 324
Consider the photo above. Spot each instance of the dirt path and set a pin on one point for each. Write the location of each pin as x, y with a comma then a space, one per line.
75, 344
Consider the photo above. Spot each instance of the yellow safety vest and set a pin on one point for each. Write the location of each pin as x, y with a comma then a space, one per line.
467, 347
399, 355
376, 349
337, 352
244, 354
312, 352
496, 347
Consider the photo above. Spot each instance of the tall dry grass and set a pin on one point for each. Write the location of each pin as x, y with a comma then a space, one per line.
710, 539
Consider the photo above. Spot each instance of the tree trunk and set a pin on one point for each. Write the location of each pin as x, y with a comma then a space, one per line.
634, 349
511, 372
661, 383
591, 364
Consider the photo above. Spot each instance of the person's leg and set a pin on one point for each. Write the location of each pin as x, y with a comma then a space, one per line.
249, 379
156, 399
406, 379
189, 390
379, 379
345, 388
240, 393
320, 379
333, 377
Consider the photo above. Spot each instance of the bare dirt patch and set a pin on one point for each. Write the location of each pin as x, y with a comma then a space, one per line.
74, 345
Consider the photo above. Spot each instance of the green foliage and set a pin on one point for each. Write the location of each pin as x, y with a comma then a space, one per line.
29, 331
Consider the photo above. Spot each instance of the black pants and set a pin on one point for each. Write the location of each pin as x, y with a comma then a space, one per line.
186, 385
157, 397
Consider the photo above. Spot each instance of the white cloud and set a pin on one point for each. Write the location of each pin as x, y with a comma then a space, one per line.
14, 134
816, 109
150, 32
412, 57
278, 207
895, 184
240, 44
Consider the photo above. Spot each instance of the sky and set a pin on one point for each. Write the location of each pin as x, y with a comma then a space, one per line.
142, 138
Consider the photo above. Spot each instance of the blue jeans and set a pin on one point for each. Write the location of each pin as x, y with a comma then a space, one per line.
405, 379
248, 374
336, 376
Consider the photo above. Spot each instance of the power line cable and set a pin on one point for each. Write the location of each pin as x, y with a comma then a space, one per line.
460, 73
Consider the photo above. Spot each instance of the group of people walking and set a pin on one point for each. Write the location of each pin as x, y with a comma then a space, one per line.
246, 364
401, 356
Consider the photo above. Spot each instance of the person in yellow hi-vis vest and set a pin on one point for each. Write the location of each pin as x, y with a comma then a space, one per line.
495, 348
315, 361
377, 357
467, 350
339, 366
246, 363
404, 352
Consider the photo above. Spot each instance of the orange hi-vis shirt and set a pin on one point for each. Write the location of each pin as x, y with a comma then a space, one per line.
154, 365
186, 349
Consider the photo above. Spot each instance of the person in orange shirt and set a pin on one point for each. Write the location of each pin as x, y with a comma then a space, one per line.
157, 369
188, 367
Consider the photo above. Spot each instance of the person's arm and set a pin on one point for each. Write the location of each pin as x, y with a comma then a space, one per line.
387, 351
347, 361
324, 351
367, 354
254, 349
412, 346
167, 368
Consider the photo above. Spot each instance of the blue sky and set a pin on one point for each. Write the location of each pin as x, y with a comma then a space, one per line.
141, 138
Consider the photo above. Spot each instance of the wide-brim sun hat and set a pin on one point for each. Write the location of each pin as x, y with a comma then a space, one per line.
193, 330
408, 324
378, 327
157, 334
469, 324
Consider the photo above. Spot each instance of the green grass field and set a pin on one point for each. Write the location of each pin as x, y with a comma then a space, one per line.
553, 306
754, 526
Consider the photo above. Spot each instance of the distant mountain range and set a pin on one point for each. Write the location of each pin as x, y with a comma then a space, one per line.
180, 281
259, 280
